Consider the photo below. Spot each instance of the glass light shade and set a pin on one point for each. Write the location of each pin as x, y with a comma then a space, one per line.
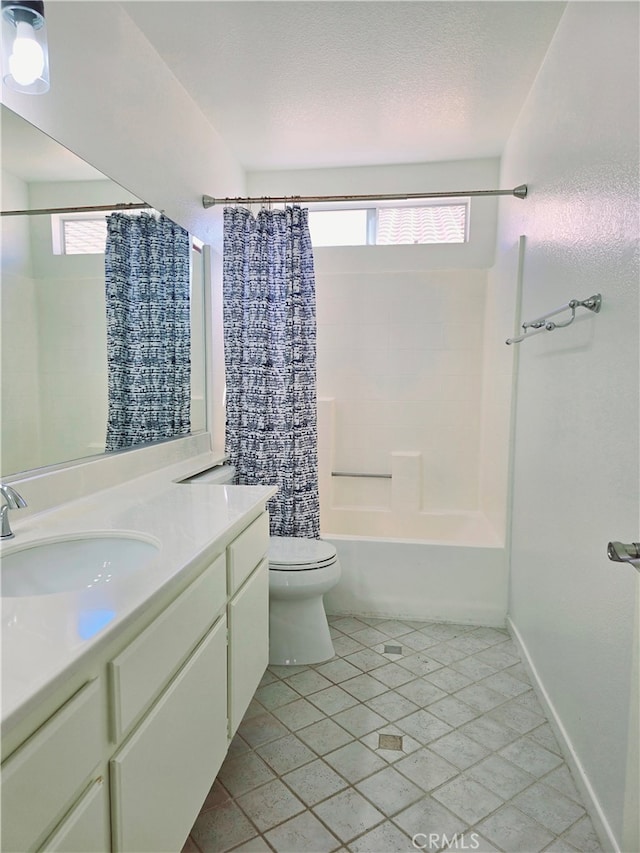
25, 57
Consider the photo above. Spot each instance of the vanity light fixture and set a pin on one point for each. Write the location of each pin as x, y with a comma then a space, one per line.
25, 57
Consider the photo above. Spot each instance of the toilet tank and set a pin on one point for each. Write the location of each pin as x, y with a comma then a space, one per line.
221, 474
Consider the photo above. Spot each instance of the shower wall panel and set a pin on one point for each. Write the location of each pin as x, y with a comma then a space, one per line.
400, 357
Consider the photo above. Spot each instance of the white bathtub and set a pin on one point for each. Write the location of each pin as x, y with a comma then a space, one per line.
447, 567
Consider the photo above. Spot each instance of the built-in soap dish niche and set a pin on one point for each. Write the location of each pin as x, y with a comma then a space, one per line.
399, 489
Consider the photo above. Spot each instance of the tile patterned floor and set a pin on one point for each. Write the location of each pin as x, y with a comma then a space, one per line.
414, 729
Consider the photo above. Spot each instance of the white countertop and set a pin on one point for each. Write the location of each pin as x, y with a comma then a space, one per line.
44, 637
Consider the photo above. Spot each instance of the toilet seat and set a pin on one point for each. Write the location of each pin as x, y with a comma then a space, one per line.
293, 554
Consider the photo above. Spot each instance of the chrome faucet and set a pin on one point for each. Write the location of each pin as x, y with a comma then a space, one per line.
12, 500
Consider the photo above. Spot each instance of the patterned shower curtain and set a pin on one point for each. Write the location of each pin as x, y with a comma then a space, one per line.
270, 360
148, 329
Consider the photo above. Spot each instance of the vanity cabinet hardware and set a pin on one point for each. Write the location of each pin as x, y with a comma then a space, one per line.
45, 775
141, 671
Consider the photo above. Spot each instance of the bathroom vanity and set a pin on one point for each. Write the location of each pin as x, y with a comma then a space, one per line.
120, 701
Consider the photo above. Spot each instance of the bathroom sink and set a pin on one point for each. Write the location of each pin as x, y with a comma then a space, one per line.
64, 565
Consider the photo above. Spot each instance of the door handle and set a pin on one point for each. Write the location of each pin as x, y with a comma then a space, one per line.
621, 553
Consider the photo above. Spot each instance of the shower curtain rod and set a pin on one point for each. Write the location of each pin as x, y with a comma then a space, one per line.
209, 201
88, 209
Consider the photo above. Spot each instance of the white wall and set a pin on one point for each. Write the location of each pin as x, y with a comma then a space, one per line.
576, 446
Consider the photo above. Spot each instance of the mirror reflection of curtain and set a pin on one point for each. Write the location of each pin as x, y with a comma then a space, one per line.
270, 360
148, 329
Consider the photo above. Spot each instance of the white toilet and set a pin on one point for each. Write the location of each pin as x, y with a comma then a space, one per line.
301, 571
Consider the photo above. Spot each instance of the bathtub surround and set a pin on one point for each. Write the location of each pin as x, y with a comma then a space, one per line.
400, 397
400, 379
406, 480
400, 332
453, 580
269, 317
400, 354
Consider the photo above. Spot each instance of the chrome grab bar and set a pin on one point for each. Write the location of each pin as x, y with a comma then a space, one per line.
540, 324
348, 474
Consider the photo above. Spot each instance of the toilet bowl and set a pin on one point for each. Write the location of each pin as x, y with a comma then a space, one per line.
301, 571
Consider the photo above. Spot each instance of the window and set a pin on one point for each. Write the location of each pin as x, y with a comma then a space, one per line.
390, 223
83, 236
442, 223
82, 233
86, 233
79, 233
338, 227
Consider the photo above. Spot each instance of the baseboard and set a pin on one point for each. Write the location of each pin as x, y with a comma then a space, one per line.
590, 800
478, 617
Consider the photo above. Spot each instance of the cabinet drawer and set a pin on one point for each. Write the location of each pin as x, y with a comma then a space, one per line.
48, 772
247, 551
86, 828
140, 673
161, 776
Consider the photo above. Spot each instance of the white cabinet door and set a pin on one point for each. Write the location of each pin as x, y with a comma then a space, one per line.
141, 671
86, 828
47, 774
162, 774
248, 642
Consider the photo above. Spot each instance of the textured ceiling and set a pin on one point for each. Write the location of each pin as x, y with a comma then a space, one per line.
316, 84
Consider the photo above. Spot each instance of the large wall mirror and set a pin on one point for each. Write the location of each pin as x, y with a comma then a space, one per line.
53, 315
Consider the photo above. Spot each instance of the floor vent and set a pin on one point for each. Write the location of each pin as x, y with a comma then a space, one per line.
390, 742
393, 650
